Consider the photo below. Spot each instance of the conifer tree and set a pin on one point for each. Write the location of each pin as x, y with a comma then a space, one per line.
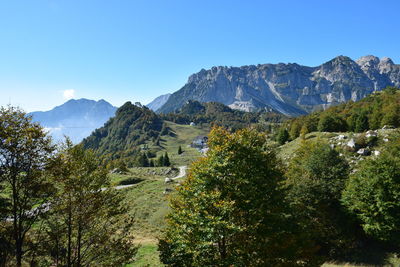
167, 162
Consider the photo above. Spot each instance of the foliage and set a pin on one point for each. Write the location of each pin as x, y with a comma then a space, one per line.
221, 115
85, 225
166, 161
283, 136
315, 179
227, 215
372, 112
331, 123
24, 152
373, 194
121, 135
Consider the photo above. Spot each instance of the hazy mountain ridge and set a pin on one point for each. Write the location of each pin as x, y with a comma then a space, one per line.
289, 88
76, 119
158, 102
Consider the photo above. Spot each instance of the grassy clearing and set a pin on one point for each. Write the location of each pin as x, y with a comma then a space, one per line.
182, 135
142, 173
147, 256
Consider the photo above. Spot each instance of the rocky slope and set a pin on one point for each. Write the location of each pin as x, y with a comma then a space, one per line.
289, 88
76, 119
158, 102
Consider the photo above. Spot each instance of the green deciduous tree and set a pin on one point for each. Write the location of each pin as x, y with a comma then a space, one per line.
24, 152
373, 195
316, 177
230, 210
85, 225
331, 123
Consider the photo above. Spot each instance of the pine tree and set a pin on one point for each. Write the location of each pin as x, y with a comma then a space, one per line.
160, 162
167, 162
151, 163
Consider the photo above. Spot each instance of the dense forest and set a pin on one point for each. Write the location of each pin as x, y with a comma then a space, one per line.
374, 111
221, 115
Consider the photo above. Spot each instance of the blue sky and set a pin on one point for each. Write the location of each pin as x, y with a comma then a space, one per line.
135, 50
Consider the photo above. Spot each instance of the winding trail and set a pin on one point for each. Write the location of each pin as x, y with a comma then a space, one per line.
182, 173
46, 206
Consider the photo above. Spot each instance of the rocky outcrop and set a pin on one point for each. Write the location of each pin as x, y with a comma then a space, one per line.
289, 88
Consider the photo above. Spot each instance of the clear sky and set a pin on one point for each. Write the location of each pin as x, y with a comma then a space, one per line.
134, 50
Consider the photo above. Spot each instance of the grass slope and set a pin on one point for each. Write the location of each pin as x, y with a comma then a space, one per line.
182, 135
146, 200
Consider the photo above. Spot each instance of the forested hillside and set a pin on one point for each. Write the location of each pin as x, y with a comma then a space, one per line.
222, 115
374, 111
121, 135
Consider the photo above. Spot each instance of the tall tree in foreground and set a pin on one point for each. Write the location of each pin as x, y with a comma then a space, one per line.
24, 152
230, 210
86, 225
373, 194
316, 177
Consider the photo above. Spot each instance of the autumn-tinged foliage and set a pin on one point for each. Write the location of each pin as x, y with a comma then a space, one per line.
85, 225
54, 207
24, 153
231, 210
372, 112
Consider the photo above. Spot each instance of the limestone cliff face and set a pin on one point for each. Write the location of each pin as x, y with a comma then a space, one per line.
289, 88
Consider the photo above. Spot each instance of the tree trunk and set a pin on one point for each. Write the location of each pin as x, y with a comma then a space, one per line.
16, 225
79, 245
69, 233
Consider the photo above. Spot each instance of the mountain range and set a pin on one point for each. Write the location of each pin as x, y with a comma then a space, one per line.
76, 119
291, 89
158, 102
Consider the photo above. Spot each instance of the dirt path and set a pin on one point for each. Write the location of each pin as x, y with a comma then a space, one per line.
182, 173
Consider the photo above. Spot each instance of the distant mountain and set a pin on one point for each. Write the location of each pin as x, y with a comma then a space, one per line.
291, 89
75, 118
158, 102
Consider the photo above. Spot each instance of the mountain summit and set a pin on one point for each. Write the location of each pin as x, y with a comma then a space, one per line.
291, 88
75, 118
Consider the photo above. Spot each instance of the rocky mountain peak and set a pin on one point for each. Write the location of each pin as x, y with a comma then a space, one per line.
367, 62
289, 88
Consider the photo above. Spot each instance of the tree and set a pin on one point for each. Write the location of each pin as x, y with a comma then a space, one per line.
85, 224
373, 194
227, 215
283, 136
166, 162
180, 150
160, 161
151, 163
316, 177
143, 160
24, 152
358, 121
331, 123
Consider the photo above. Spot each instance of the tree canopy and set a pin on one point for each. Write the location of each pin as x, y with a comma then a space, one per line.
230, 210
